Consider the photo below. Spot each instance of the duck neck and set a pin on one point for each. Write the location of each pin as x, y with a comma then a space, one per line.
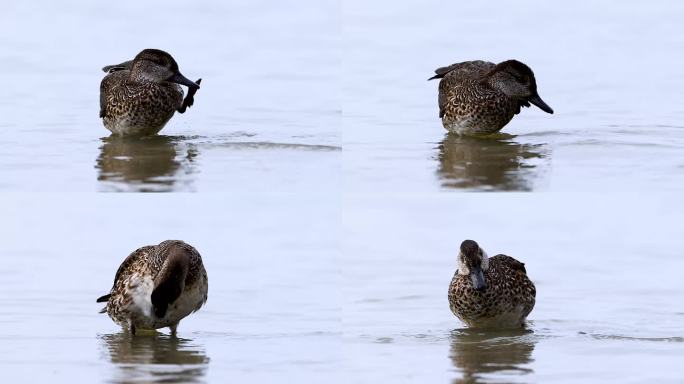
170, 282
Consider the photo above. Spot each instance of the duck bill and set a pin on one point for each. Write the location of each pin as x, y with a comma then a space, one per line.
477, 277
182, 80
536, 100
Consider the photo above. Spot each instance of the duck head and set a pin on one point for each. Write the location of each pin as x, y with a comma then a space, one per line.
157, 66
473, 262
516, 80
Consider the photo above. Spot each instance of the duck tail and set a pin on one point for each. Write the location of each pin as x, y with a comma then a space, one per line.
103, 299
442, 71
118, 67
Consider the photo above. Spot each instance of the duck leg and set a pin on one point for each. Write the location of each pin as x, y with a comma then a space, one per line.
173, 328
131, 328
190, 98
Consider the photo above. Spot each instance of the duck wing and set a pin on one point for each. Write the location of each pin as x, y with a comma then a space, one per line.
504, 261
108, 87
527, 292
467, 70
457, 73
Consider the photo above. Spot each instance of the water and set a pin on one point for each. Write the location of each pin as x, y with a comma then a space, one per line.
273, 307
602, 249
609, 294
328, 264
264, 117
609, 69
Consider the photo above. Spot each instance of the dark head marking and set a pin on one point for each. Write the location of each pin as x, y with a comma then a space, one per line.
158, 57
472, 254
517, 81
518, 71
470, 248
158, 66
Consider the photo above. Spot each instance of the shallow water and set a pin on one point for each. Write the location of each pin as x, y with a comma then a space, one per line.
609, 295
331, 265
273, 307
177, 163
264, 118
609, 69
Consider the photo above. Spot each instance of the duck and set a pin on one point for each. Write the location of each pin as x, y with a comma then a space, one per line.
479, 97
157, 286
138, 97
490, 292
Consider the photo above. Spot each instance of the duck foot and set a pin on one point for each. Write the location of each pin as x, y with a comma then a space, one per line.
190, 98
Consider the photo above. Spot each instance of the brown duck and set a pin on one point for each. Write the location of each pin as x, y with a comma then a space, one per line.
157, 286
490, 292
138, 97
480, 98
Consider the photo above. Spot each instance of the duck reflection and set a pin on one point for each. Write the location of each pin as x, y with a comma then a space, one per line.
154, 164
155, 358
497, 353
497, 164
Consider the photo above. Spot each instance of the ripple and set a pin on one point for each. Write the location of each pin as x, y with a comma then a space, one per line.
672, 339
272, 145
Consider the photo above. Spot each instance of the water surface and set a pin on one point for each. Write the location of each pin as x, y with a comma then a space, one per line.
273, 309
609, 295
289, 296
610, 70
267, 115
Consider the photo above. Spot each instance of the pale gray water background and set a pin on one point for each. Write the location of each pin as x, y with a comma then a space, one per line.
273, 309
607, 270
611, 70
267, 115
606, 263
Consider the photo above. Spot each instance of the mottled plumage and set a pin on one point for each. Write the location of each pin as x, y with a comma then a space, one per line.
490, 292
138, 97
157, 286
479, 97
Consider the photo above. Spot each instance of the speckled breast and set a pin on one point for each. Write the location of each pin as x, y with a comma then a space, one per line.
143, 111
478, 118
